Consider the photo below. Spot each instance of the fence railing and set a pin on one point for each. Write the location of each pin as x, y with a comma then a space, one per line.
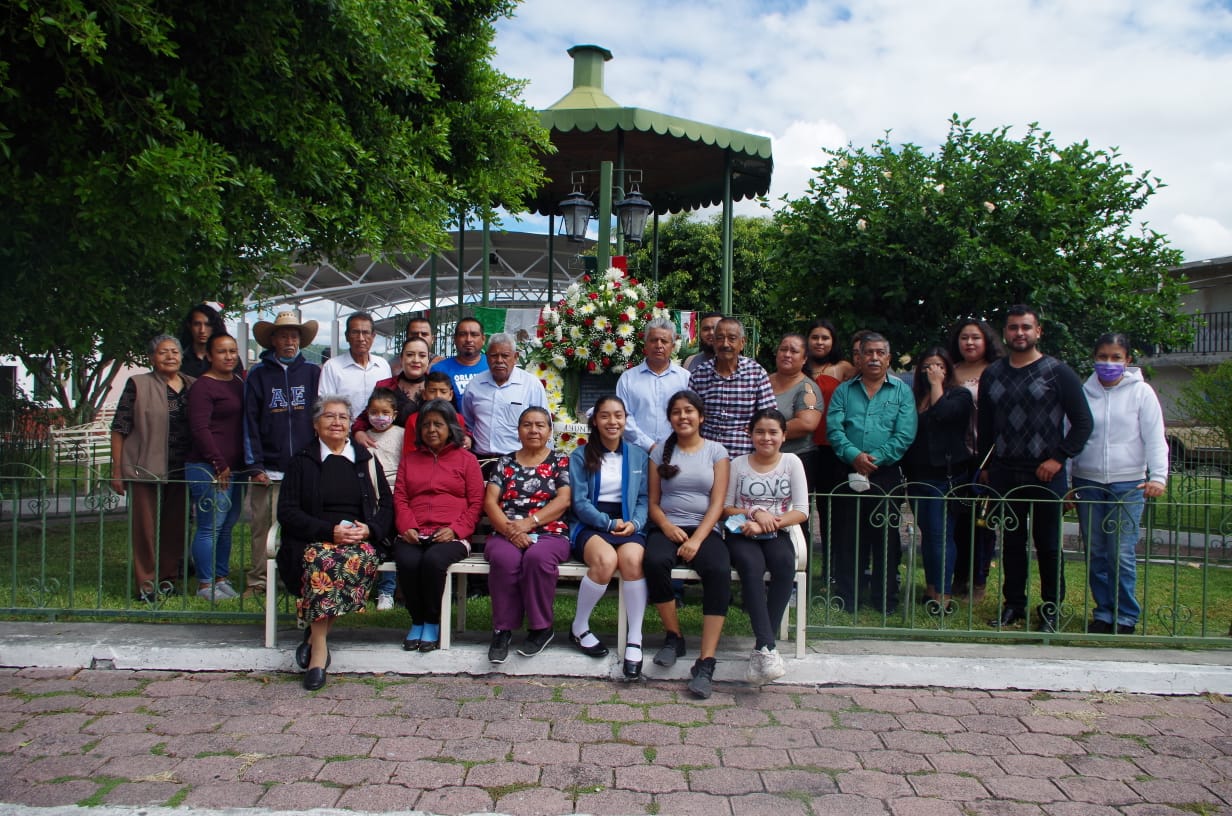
1212, 334
66, 552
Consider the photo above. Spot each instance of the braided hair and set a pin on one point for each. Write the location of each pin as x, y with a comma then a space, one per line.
666, 469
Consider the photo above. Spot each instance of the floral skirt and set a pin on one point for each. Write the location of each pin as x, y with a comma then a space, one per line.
336, 580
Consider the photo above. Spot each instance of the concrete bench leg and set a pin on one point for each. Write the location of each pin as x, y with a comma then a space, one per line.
271, 603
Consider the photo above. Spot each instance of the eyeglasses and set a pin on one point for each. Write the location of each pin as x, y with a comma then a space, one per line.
332, 417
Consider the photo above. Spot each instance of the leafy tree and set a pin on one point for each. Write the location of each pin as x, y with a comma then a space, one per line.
155, 154
691, 257
905, 242
1206, 401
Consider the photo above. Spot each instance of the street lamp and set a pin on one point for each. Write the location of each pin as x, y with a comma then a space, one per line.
575, 212
631, 212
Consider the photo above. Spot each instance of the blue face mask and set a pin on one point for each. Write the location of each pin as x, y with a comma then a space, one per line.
287, 360
1109, 373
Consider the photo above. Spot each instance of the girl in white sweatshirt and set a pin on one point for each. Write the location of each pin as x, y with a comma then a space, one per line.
1124, 462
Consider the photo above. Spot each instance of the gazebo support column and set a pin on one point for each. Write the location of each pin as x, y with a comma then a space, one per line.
725, 287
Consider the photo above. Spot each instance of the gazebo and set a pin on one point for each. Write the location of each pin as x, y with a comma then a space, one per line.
684, 165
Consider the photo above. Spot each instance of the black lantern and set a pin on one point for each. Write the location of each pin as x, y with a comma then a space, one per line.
575, 212
632, 212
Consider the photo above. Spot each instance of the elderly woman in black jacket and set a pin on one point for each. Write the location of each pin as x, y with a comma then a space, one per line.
938, 459
335, 507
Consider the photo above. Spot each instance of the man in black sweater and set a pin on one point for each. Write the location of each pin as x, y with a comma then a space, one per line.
1024, 402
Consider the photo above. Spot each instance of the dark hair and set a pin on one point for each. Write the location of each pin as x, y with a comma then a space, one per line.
1022, 309
836, 353
707, 316
217, 324
462, 320
919, 381
592, 457
1114, 339
807, 365
383, 395
666, 469
446, 412
420, 319
215, 337
993, 349
768, 413
359, 316
410, 340
441, 377
857, 337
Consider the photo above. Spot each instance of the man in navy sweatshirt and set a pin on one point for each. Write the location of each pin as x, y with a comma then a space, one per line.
278, 397
1024, 403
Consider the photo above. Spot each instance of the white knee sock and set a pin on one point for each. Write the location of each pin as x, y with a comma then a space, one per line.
635, 593
588, 595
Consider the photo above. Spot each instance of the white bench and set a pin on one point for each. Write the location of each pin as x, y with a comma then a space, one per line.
88, 445
571, 570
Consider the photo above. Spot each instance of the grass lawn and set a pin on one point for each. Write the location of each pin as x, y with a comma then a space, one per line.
82, 572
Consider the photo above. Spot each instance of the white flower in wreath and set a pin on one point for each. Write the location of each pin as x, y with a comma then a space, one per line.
625, 330
609, 347
575, 333
559, 361
558, 333
587, 308
583, 353
630, 312
613, 274
550, 316
657, 313
602, 323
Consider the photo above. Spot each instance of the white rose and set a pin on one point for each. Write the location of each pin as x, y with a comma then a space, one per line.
861, 225
988, 205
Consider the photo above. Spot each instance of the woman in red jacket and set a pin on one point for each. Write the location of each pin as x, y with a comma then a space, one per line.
437, 497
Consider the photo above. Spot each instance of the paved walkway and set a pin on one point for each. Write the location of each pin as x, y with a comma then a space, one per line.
551, 745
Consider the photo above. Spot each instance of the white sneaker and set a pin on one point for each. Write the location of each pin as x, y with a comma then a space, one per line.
765, 666
384, 602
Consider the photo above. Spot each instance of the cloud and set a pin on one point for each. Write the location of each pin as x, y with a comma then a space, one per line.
1142, 76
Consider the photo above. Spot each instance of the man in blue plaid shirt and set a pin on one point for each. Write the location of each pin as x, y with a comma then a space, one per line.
733, 388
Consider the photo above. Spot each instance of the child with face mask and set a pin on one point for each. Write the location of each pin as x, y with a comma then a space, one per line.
381, 411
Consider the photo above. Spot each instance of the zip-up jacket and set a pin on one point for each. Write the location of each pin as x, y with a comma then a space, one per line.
634, 491
278, 404
435, 490
1127, 442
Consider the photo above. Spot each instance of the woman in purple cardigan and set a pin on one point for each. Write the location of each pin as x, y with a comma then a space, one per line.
216, 420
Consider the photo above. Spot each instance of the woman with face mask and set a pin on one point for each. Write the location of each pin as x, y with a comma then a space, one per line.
1124, 462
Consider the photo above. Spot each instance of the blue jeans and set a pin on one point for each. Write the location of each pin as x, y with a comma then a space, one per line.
216, 511
1110, 516
934, 516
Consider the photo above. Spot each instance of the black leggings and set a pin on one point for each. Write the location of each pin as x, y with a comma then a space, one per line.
711, 563
421, 575
753, 558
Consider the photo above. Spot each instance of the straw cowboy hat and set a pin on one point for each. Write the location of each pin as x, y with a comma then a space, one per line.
264, 330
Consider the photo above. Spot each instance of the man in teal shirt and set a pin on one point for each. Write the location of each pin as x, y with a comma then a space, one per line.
870, 424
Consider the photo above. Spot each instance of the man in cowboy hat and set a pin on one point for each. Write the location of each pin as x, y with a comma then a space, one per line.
278, 398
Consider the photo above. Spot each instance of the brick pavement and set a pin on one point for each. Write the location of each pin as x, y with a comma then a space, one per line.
537, 745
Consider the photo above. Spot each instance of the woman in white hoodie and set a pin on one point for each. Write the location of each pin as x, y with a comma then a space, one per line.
1124, 462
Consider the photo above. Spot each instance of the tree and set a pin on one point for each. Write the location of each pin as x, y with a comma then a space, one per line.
157, 154
1206, 402
691, 255
904, 242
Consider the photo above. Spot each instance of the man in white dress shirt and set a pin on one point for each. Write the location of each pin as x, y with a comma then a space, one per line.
357, 372
494, 399
647, 387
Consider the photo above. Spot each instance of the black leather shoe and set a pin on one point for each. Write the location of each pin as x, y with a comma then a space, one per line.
633, 668
1099, 627
314, 679
598, 650
1009, 617
303, 654
1126, 628
672, 649
1048, 618
429, 645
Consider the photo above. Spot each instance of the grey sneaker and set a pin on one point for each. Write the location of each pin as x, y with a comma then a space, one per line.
702, 683
672, 648
223, 589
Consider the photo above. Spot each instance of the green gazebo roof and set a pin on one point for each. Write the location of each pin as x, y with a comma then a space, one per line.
682, 161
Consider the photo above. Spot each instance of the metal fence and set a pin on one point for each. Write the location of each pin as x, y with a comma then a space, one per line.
66, 552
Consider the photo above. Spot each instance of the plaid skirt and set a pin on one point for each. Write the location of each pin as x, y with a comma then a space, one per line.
336, 580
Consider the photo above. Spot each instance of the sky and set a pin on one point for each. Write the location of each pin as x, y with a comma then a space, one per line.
1152, 78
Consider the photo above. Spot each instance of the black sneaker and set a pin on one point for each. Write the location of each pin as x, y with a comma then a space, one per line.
499, 650
536, 641
703, 678
1126, 628
672, 648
